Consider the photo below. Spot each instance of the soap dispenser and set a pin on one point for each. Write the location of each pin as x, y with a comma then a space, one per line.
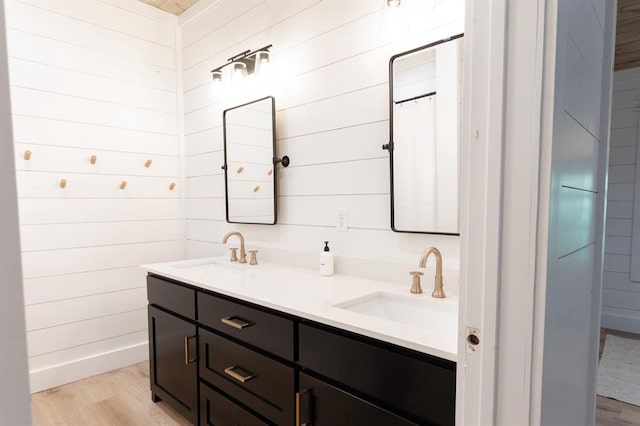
326, 261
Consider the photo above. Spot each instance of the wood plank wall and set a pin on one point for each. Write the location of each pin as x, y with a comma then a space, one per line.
628, 35
91, 78
621, 296
330, 79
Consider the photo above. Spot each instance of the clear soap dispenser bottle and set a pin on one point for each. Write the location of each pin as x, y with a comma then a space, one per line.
326, 261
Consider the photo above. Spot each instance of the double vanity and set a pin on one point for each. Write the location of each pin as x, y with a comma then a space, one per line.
241, 344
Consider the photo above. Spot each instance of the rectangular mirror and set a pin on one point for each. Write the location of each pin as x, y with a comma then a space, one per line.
249, 168
425, 129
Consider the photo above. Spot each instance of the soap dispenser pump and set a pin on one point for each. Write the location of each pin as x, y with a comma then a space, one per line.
326, 261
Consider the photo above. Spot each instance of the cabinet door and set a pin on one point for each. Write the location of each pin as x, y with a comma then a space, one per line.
320, 404
172, 353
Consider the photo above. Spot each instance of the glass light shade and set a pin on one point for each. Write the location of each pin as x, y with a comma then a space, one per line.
239, 70
262, 62
216, 75
262, 57
393, 3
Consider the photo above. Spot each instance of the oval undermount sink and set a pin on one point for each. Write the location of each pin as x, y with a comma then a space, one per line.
414, 310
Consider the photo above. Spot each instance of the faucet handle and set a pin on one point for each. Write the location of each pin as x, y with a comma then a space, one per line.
254, 259
234, 254
416, 288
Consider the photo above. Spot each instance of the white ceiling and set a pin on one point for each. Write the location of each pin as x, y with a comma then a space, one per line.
172, 6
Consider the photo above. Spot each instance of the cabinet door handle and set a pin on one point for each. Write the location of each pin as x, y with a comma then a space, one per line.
236, 322
303, 408
187, 358
239, 374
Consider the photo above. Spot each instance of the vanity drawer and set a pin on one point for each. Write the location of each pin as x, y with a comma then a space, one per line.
171, 296
423, 389
255, 380
217, 410
266, 331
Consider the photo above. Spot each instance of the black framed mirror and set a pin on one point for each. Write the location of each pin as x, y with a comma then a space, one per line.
250, 162
425, 92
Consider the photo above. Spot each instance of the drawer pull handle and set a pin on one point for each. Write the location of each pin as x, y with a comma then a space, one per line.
239, 374
236, 322
303, 408
187, 358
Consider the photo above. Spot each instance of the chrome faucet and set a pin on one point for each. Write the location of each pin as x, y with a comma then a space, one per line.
243, 254
438, 287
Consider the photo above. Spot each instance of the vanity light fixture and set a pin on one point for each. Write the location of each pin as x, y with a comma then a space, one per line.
393, 3
243, 64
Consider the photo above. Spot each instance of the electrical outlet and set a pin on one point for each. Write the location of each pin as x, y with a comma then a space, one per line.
343, 220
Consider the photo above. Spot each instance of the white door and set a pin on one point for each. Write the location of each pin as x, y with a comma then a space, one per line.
536, 146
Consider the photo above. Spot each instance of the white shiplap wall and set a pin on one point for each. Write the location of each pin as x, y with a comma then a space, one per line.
580, 86
621, 296
329, 79
92, 77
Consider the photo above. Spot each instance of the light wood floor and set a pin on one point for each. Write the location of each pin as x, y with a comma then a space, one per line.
122, 397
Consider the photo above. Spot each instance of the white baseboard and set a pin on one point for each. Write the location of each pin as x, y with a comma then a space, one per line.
78, 369
620, 322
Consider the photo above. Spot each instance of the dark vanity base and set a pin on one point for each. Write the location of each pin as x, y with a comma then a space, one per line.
221, 361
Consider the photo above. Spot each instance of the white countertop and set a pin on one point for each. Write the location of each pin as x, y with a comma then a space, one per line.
306, 294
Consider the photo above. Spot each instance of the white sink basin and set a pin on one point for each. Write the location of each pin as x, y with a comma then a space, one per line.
213, 264
213, 267
421, 311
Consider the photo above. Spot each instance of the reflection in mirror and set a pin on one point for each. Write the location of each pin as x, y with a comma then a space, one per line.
425, 136
249, 151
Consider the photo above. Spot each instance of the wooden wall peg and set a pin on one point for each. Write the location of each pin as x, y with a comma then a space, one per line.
148, 164
93, 159
63, 183
240, 169
269, 172
27, 155
123, 184
172, 186
256, 188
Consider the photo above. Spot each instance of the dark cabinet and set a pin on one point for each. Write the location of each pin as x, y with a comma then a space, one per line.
173, 370
225, 362
320, 404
